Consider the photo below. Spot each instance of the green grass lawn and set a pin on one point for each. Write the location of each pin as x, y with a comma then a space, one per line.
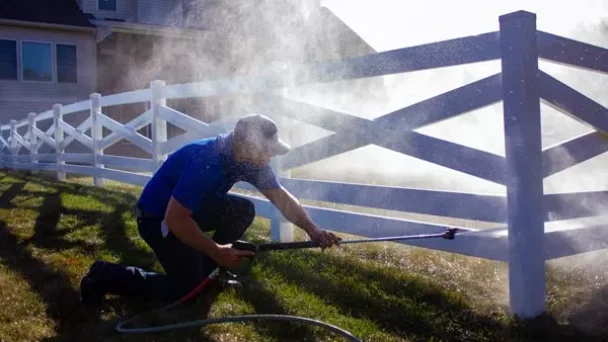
50, 232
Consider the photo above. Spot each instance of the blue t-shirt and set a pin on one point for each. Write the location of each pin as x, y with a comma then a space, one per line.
199, 173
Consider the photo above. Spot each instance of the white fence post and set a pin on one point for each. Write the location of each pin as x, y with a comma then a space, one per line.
57, 118
159, 125
523, 147
33, 142
96, 136
14, 144
279, 224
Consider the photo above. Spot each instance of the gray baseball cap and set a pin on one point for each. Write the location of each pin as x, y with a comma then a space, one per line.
261, 131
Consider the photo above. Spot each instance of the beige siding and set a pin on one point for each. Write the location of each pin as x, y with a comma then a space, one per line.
159, 12
17, 98
152, 12
125, 10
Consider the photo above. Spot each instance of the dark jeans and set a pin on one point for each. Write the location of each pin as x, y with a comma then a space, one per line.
184, 267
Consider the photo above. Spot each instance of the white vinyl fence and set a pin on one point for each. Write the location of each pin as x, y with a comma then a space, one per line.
531, 244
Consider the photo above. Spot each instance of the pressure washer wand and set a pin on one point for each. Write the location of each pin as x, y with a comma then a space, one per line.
273, 246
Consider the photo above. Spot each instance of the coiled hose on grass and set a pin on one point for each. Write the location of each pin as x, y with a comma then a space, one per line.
244, 318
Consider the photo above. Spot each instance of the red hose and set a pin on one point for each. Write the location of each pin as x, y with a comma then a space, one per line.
199, 288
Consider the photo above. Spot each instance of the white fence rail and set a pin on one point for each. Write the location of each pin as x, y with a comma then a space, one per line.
61, 134
100, 166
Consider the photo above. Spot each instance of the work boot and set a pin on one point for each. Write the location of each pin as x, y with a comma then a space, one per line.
91, 289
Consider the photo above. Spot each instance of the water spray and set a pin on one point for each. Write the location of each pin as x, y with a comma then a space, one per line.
265, 247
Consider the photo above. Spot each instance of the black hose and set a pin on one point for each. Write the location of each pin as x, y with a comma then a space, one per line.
243, 318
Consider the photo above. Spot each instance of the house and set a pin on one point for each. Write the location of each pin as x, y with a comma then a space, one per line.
47, 55
61, 51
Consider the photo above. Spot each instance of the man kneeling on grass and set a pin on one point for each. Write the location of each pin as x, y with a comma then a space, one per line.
189, 195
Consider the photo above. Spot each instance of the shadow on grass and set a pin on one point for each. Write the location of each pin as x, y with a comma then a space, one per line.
593, 317
116, 239
408, 308
266, 302
74, 321
112, 224
46, 234
62, 301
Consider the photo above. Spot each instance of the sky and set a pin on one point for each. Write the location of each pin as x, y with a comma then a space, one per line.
393, 24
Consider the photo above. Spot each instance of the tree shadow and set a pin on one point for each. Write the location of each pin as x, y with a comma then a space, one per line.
410, 309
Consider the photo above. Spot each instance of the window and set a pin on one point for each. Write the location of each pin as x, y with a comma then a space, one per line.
66, 63
40, 61
107, 5
36, 61
8, 59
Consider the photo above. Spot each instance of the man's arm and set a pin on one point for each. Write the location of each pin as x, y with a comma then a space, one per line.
291, 208
266, 182
180, 223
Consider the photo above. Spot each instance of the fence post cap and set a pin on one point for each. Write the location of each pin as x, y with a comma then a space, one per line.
95, 96
56, 105
517, 15
157, 83
31, 115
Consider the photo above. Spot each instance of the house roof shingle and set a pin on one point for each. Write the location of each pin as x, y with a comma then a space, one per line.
63, 12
